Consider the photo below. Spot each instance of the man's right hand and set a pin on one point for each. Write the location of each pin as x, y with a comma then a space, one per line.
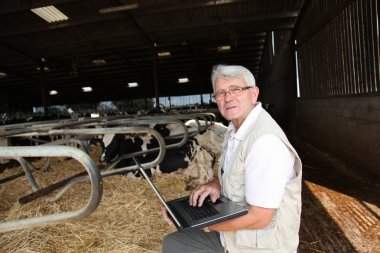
199, 194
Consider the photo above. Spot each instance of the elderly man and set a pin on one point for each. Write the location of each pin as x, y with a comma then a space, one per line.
258, 168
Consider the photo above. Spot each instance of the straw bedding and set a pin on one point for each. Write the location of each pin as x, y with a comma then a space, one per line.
127, 219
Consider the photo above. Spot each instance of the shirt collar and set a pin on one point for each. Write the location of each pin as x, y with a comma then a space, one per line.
251, 118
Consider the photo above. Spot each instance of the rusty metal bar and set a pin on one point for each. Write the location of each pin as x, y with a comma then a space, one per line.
44, 191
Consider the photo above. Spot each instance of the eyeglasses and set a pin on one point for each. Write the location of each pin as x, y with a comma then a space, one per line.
233, 91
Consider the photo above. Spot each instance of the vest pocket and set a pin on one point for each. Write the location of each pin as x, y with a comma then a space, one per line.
257, 238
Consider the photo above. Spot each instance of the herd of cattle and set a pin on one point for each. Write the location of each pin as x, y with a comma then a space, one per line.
193, 148
161, 143
197, 155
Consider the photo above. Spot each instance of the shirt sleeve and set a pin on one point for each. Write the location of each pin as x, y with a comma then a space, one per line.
269, 165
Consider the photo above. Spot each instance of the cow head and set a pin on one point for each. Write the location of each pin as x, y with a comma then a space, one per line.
116, 145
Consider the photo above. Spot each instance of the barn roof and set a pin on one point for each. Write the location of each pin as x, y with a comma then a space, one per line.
107, 44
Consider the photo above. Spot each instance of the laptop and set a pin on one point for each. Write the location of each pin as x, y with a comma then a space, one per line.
186, 217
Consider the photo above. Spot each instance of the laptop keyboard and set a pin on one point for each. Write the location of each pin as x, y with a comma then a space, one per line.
197, 213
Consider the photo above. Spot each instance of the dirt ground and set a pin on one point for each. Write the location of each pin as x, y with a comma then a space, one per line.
340, 210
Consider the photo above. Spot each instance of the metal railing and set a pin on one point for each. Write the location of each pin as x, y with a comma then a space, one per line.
77, 132
57, 151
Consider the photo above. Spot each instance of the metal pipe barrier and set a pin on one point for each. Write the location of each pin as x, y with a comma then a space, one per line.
56, 151
67, 183
106, 125
157, 120
181, 117
110, 171
43, 126
72, 136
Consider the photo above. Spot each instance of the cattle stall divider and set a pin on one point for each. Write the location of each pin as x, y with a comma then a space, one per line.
145, 121
76, 134
56, 151
94, 175
67, 183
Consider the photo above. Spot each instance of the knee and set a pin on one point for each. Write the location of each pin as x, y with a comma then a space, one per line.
169, 243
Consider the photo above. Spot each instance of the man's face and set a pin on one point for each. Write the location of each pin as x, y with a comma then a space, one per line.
235, 108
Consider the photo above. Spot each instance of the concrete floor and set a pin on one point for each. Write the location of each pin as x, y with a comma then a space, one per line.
341, 205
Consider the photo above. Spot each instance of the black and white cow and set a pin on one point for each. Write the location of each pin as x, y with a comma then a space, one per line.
196, 161
212, 138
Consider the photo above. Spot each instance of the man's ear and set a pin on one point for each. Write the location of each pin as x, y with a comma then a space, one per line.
255, 93
256, 89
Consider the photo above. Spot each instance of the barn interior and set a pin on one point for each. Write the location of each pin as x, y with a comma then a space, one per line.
316, 63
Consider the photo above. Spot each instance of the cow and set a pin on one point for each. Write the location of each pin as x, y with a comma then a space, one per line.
197, 163
212, 138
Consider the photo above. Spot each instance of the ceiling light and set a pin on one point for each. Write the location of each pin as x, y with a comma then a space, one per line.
133, 84
163, 54
87, 89
3, 74
50, 14
45, 69
224, 48
53, 92
183, 80
99, 61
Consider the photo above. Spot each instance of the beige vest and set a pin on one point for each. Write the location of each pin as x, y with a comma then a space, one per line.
282, 234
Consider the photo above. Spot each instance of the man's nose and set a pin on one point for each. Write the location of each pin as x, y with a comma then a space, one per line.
228, 95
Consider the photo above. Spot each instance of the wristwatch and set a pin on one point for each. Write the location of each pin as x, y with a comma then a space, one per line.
206, 229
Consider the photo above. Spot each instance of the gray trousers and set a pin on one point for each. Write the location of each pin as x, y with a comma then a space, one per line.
192, 241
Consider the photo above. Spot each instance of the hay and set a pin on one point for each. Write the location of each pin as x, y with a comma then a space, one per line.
127, 219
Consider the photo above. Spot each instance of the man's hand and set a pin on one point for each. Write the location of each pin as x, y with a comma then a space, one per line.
199, 194
166, 217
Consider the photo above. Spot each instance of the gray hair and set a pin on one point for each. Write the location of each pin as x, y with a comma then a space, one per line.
232, 71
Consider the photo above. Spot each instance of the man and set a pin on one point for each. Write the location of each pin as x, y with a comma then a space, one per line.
258, 168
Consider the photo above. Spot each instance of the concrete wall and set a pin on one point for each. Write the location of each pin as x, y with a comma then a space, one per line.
348, 128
